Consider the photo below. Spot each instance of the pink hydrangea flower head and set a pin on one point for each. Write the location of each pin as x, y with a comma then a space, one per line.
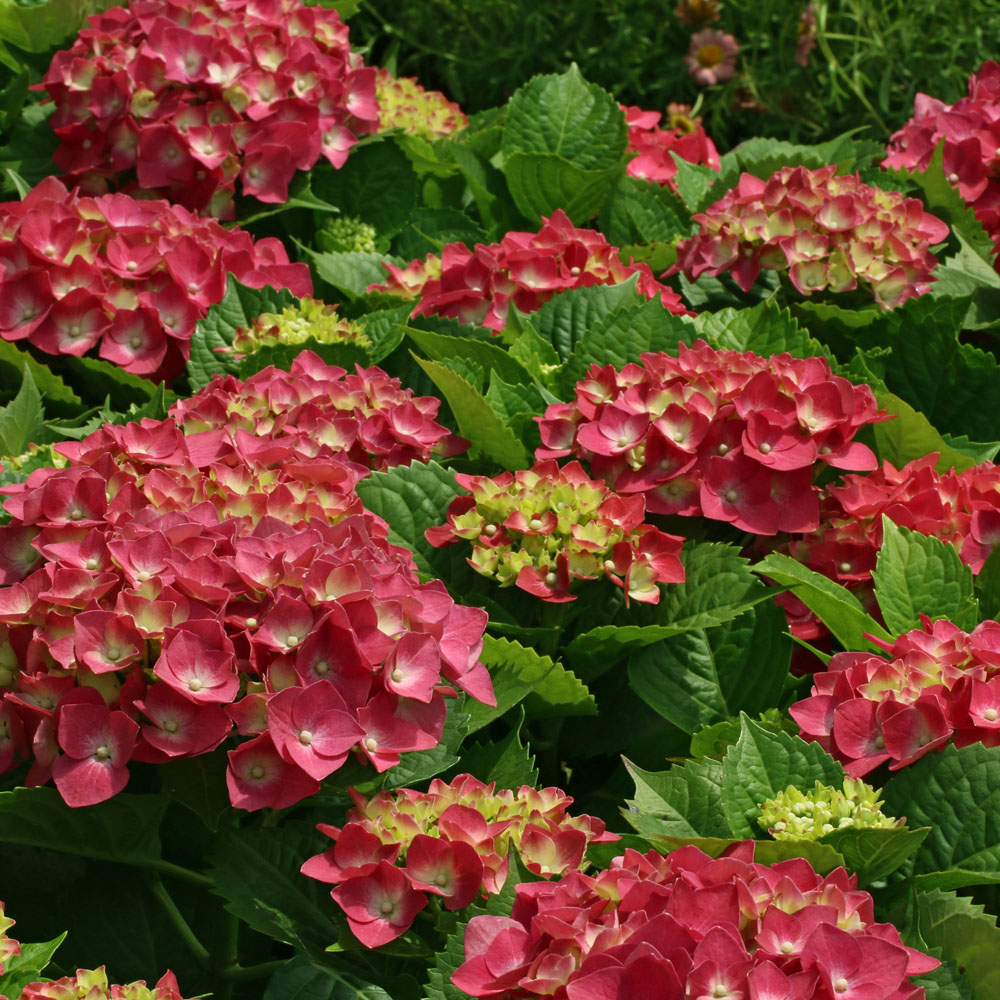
217, 567
712, 57
730, 436
542, 528
190, 97
526, 269
126, 279
688, 925
828, 231
451, 841
93, 984
938, 684
8, 946
970, 131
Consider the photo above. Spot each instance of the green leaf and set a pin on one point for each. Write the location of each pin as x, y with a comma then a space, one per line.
987, 584
621, 336
515, 405
764, 156
718, 587
491, 358
541, 183
956, 792
978, 451
420, 765
377, 184
839, 610
97, 380
709, 675
684, 801
429, 229
643, 212
507, 762
532, 351
198, 784
300, 978
569, 117
30, 143
41, 27
13, 361
966, 935
353, 271
874, 854
22, 420
565, 318
519, 671
282, 356
124, 829
277, 900
915, 575
491, 438
239, 307
910, 436
28, 966
763, 763
697, 185
765, 329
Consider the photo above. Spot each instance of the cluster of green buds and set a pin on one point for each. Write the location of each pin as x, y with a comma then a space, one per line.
796, 815
404, 104
308, 320
17, 468
542, 528
340, 233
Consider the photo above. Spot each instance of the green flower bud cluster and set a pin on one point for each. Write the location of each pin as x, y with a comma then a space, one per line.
309, 320
796, 815
346, 232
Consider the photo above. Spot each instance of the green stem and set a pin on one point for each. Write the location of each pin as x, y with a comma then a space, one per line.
244, 973
227, 956
175, 916
180, 873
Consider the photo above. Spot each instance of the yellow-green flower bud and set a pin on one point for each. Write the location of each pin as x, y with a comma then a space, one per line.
796, 815
346, 232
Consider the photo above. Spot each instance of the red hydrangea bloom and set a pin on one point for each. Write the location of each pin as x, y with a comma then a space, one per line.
958, 507
653, 144
970, 130
687, 925
542, 528
404, 104
451, 841
184, 582
123, 278
316, 409
828, 231
93, 984
734, 437
185, 97
526, 269
938, 684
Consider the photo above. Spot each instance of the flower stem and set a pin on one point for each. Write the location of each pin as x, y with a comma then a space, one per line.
175, 916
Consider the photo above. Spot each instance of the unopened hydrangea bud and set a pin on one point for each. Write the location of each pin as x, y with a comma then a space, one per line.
308, 320
346, 233
796, 815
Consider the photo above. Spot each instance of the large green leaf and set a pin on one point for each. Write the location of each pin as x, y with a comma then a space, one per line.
302, 978
685, 801
419, 765
444, 348
22, 420
839, 610
124, 829
966, 934
41, 27
59, 397
765, 329
257, 873
491, 438
763, 763
507, 762
718, 587
239, 307
956, 792
352, 271
708, 675
874, 854
644, 212
28, 966
915, 575
540, 183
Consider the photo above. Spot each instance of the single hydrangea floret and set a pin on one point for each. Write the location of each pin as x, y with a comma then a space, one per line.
796, 815
523, 269
939, 684
186, 97
720, 434
688, 925
309, 320
545, 527
403, 104
452, 842
828, 231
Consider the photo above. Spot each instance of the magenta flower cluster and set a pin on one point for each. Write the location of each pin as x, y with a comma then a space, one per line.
939, 684
828, 231
164, 587
653, 145
734, 437
185, 97
687, 925
127, 277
